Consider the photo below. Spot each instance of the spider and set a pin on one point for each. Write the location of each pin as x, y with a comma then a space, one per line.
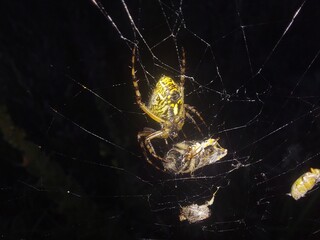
166, 106
188, 156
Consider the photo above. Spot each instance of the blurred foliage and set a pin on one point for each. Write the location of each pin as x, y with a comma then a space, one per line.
65, 198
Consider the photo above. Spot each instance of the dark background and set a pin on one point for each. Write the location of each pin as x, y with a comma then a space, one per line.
60, 180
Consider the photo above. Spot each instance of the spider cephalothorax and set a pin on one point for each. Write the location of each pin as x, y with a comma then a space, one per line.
166, 106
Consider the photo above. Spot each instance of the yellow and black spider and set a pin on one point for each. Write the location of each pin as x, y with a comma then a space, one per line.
166, 106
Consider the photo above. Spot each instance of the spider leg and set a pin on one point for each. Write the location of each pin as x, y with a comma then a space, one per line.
148, 130
150, 134
183, 68
137, 91
194, 111
184, 134
194, 122
148, 144
144, 133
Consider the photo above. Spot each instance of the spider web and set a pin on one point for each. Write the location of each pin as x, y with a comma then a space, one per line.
251, 71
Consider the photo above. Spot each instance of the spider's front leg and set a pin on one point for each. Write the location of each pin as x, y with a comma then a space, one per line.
146, 145
156, 134
194, 111
194, 122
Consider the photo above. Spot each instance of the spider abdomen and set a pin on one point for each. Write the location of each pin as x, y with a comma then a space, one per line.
166, 100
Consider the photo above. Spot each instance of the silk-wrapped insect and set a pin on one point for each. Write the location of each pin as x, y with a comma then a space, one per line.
305, 183
188, 156
195, 213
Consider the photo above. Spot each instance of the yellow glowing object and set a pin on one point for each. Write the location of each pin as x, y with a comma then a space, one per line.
165, 106
305, 183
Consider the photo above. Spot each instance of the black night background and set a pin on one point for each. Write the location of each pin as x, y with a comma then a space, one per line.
70, 163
